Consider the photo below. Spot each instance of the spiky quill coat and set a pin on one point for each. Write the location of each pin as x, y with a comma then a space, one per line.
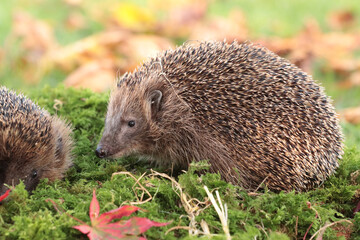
256, 117
33, 144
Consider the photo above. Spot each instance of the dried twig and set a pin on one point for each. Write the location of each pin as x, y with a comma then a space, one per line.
137, 182
192, 206
316, 216
328, 225
261, 184
296, 226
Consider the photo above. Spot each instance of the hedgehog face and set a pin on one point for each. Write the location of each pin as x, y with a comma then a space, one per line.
18, 167
30, 177
30, 165
127, 124
21, 158
29, 160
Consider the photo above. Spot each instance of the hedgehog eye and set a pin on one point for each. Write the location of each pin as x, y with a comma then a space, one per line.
34, 174
131, 123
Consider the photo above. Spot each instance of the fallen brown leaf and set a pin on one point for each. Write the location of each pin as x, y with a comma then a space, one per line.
98, 46
73, 2
354, 178
37, 36
230, 28
345, 65
181, 16
341, 19
335, 48
352, 115
353, 80
98, 76
75, 21
95, 58
137, 48
343, 230
36, 40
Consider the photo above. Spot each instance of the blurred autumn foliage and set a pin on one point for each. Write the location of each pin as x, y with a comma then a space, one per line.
133, 32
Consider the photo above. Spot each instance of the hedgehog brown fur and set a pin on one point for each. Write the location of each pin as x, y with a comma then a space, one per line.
255, 116
33, 144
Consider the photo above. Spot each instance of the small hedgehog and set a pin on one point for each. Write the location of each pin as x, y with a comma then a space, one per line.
33, 144
253, 115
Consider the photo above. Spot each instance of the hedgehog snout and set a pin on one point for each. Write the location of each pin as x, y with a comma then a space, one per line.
100, 152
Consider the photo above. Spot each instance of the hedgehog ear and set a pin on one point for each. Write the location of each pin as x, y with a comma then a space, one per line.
155, 99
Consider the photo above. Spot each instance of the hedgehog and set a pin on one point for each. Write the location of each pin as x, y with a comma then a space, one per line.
33, 144
255, 117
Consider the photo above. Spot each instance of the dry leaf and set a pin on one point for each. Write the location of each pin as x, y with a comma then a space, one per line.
343, 230
181, 16
37, 36
231, 28
175, 4
353, 80
73, 2
102, 226
36, 39
353, 177
187, 12
140, 47
5, 195
352, 115
98, 46
344, 65
341, 19
335, 48
98, 76
75, 21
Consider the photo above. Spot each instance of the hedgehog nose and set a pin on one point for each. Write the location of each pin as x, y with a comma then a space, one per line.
100, 153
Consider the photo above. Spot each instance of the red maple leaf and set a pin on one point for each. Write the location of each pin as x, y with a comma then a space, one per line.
2, 197
102, 228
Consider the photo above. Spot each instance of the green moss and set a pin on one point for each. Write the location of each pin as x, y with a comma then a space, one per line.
265, 216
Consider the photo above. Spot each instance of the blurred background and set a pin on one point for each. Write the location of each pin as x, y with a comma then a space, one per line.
88, 43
